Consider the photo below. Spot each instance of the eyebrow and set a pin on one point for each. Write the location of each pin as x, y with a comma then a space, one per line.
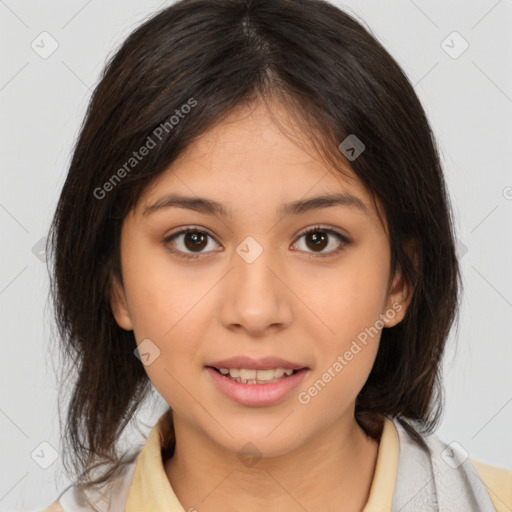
211, 207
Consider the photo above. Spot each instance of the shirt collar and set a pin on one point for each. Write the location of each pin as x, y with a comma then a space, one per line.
150, 489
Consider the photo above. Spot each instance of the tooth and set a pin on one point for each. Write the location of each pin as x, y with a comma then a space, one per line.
250, 376
245, 374
267, 374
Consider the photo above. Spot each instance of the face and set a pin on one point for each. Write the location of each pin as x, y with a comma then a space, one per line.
307, 285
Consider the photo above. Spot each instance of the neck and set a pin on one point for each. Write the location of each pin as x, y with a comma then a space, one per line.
334, 471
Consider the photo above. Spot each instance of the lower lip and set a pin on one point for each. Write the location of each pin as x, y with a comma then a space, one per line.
257, 394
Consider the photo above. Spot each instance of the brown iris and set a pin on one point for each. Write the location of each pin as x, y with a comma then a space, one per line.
198, 240
319, 239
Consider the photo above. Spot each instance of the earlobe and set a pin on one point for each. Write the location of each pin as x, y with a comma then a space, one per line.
119, 306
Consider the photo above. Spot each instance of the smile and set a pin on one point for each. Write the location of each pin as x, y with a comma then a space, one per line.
249, 376
256, 392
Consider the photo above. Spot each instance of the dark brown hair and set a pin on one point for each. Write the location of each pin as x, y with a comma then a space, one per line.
335, 79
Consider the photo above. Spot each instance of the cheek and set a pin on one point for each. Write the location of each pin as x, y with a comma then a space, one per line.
334, 388
346, 355
172, 323
162, 295
166, 310
349, 304
350, 298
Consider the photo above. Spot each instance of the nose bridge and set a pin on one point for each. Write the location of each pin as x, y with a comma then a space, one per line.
255, 298
252, 262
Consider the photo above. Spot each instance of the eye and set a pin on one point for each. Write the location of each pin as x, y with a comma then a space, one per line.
194, 239
317, 238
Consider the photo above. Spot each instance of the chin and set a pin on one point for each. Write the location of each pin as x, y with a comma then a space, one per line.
264, 440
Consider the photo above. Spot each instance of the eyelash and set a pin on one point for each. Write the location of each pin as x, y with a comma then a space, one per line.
194, 229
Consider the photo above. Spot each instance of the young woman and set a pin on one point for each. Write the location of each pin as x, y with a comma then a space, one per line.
255, 224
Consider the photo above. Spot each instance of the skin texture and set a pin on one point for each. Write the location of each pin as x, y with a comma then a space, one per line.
290, 302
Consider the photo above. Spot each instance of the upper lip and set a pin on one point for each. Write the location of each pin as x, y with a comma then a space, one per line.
263, 363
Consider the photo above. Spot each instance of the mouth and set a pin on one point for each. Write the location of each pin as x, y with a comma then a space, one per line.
252, 376
256, 388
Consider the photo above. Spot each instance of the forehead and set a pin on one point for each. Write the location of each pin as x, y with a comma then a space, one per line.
246, 161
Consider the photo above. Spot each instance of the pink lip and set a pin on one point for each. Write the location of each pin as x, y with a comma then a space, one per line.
264, 363
253, 395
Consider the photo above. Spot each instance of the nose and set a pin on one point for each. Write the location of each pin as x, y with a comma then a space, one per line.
255, 296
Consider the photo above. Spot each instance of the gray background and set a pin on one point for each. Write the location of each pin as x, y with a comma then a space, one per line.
468, 99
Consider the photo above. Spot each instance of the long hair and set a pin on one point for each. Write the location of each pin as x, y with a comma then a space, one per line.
177, 75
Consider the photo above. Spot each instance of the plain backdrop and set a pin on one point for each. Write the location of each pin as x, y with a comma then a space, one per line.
458, 56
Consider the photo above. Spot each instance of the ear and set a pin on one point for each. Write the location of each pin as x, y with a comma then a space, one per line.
119, 305
400, 292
